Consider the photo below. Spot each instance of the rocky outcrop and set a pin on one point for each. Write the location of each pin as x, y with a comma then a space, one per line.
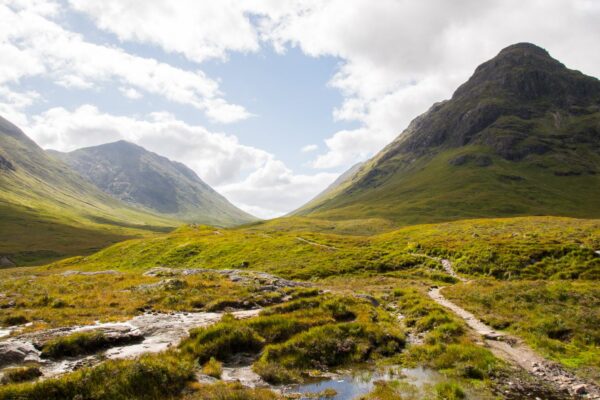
6, 165
6, 262
14, 352
244, 277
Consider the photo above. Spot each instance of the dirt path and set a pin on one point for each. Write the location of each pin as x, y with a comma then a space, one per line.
515, 351
323, 246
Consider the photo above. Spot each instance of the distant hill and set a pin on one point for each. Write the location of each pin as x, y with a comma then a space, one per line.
141, 178
48, 211
520, 137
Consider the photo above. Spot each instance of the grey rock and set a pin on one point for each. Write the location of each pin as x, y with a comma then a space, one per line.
90, 273
16, 352
6, 262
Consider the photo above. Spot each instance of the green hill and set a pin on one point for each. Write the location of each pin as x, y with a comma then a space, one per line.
130, 173
48, 211
520, 137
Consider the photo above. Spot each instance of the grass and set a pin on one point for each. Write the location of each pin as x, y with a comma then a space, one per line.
49, 299
75, 344
79, 343
559, 319
20, 374
230, 391
48, 212
327, 347
213, 368
153, 377
447, 346
322, 331
515, 248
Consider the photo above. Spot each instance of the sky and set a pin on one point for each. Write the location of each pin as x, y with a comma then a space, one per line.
267, 100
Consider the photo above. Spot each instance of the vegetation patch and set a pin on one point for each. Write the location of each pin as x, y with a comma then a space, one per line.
558, 318
328, 346
213, 368
80, 343
21, 374
221, 341
152, 377
446, 346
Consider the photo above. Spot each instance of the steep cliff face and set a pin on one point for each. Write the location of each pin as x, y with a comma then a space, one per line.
521, 136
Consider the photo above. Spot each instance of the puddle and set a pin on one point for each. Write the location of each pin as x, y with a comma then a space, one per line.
414, 381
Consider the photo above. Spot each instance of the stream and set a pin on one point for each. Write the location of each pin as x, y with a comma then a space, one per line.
147, 333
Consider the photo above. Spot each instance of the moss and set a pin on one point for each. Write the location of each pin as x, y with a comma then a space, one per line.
221, 341
12, 320
229, 391
328, 346
75, 344
213, 368
449, 391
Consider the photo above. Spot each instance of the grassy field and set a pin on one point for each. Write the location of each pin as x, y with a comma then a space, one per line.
514, 248
534, 276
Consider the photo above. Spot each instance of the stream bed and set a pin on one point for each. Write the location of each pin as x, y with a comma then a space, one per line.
149, 333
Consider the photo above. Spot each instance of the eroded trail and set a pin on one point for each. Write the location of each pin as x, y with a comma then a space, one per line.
515, 351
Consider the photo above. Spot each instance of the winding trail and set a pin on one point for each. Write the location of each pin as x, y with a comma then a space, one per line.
323, 246
515, 351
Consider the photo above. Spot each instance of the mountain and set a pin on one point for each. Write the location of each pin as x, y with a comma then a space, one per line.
141, 178
342, 179
48, 211
520, 137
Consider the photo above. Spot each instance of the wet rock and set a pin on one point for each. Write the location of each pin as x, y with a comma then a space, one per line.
244, 375
14, 352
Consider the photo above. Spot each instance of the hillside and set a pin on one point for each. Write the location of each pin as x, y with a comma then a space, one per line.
48, 211
520, 137
130, 173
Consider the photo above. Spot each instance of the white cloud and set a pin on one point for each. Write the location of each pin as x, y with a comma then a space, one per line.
309, 148
13, 103
198, 29
251, 178
275, 190
401, 56
34, 44
131, 93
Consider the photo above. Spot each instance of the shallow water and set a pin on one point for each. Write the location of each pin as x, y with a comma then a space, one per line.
159, 331
351, 386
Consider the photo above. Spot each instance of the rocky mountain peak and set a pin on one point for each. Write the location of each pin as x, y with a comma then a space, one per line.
527, 72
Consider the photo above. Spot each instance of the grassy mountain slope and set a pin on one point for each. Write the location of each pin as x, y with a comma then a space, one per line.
48, 211
521, 137
142, 178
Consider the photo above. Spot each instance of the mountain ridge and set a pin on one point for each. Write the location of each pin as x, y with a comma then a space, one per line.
146, 179
505, 144
48, 211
